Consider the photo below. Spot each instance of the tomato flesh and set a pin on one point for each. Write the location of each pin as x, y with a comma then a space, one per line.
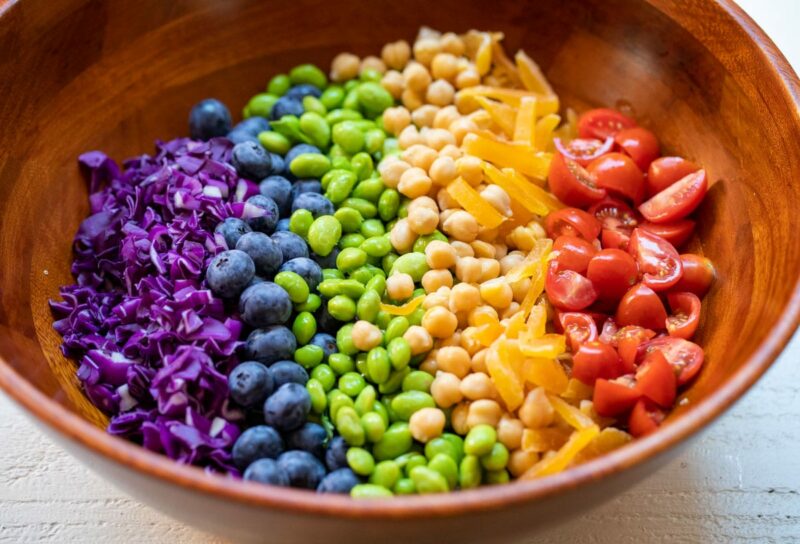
685, 357
639, 144
619, 175
601, 123
665, 171
572, 184
596, 360
584, 150
655, 380
613, 397
659, 262
678, 200
645, 418
612, 272
685, 314
572, 222
641, 306
578, 327
677, 233
630, 342
698, 274
567, 289
574, 253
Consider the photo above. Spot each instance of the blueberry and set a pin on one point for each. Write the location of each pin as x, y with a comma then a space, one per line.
279, 189
301, 468
288, 372
286, 105
238, 136
313, 202
250, 383
229, 273
306, 268
259, 442
251, 160
326, 342
302, 186
310, 437
264, 223
338, 481
231, 229
266, 254
278, 164
265, 304
208, 119
256, 279
336, 454
328, 261
254, 125
299, 149
287, 408
291, 245
270, 344
325, 321
283, 225
266, 471
303, 90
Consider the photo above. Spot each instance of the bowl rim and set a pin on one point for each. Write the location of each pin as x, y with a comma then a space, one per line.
159, 467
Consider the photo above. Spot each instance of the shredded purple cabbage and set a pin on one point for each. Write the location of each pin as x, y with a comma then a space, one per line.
154, 344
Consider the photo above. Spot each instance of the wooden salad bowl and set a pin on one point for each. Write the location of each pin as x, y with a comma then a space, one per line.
77, 75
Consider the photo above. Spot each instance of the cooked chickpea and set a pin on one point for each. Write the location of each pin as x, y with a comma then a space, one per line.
469, 342
484, 412
419, 155
490, 269
537, 230
396, 119
414, 183
440, 93
429, 366
460, 225
423, 220
498, 198
344, 67
520, 288
443, 170
520, 461
396, 54
445, 389
416, 77
412, 99
536, 410
483, 315
468, 105
464, 297
483, 250
446, 202
418, 339
522, 238
451, 151
440, 297
366, 335
509, 432
478, 361
510, 261
437, 138
468, 269
439, 254
399, 286
462, 249
423, 202
460, 127
453, 359
467, 78
409, 136
458, 418
426, 424
423, 116
390, 169
497, 292
469, 168
500, 251
444, 66
509, 312
402, 237
393, 82
445, 117
372, 63
478, 385
433, 279
439, 322
451, 43
425, 49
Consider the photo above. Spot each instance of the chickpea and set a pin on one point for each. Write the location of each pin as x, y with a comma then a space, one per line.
425, 49
536, 410
497, 292
372, 63
444, 214
451, 43
423, 116
468, 269
520, 288
498, 198
483, 250
418, 339
445, 117
366, 335
520, 461
453, 359
467, 78
478, 361
478, 385
500, 251
419, 155
423, 202
416, 77
396, 119
444, 66
484, 412
509, 432
426, 424
437, 138
462, 249
439, 322
483, 315
433, 279
399, 286
423, 220
437, 298
460, 225
451, 151
469, 342
521, 238
439, 254
443, 170
402, 237
490, 269
445, 389
458, 418
464, 297
393, 82
409, 136
344, 67
537, 230
509, 312
440, 93
414, 183
390, 169
510, 261
460, 127
412, 99
446, 202
396, 54
469, 168
454, 340
429, 366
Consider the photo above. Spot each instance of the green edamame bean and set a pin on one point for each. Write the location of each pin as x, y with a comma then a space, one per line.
351, 384
479, 440
419, 291
294, 284
469, 473
350, 85
409, 460
374, 426
333, 287
341, 115
344, 340
323, 234
312, 304
377, 283
399, 352
330, 274
385, 474
312, 104
304, 327
413, 264
373, 228
415, 317
457, 442
373, 140
496, 459
332, 97
441, 445
427, 480
396, 441
371, 75
246, 112
395, 381
362, 274
378, 366
300, 222
341, 363
402, 211
383, 319
396, 328
351, 100
315, 127
492, 477
367, 209
369, 189
370, 491
310, 165
325, 180
376, 246
339, 162
352, 240
348, 136
325, 375
404, 486
289, 126
309, 356
422, 242
380, 409
360, 461
408, 402
308, 73
351, 258
365, 401
349, 218
279, 85
362, 165
340, 186
388, 204
261, 104
386, 402
342, 308
336, 401
368, 306
447, 467
274, 142
391, 147
349, 426
317, 393
418, 380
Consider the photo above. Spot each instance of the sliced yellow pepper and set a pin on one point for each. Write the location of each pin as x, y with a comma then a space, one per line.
487, 334
536, 288
525, 126
547, 373
577, 390
547, 439
545, 103
504, 115
572, 415
469, 199
533, 191
404, 309
531, 75
515, 325
502, 61
544, 131
533, 262
504, 377
516, 190
537, 321
608, 440
483, 57
548, 346
561, 460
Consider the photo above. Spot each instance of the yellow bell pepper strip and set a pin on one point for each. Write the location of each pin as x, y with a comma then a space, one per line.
483, 57
531, 75
536, 288
504, 377
546, 439
518, 156
608, 440
525, 126
502, 61
537, 321
544, 131
518, 192
488, 333
516, 324
532, 262
547, 373
533, 191
502, 114
545, 104
469, 199
577, 390
548, 346
561, 460
573, 416
405, 309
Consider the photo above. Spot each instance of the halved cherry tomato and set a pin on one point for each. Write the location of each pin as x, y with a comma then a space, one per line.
613, 397
596, 360
630, 341
698, 274
609, 332
685, 357
640, 144
678, 200
685, 314
572, 222
641, 306
665, 171
574, 253
572, 184
676, 233
659, 262
619, 175
601, 123
578, 328
655, 380
618, 221
645, 418
612, 272
584, 150
567, 289
614, 239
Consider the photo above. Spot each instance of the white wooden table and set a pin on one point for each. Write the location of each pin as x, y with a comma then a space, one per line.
739, 482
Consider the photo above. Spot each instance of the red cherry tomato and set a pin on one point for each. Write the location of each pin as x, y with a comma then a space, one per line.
641, 306
612, 272
676, 233
584, 150
630, 341
659, 262
698, 274
665, 171
609, 332
596, 360
574, 253
678, 200
685, 314
656, 381
572, 222
618, 221
645, 418
601, 123
613, 397
614, 239
572, 184
578, 327
685, 357
567, 289
619, 175
639, 144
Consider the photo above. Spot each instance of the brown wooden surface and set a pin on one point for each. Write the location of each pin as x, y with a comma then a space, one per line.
78, 75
